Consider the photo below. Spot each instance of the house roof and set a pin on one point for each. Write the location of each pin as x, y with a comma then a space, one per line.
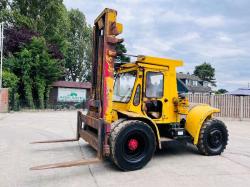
68, 84
199, 89
241, 92
192, 88
188, 76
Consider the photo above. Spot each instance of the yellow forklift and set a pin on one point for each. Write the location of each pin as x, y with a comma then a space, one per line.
134, 107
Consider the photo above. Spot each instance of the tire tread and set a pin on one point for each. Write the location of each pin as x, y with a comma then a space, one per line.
201, 146
115, 132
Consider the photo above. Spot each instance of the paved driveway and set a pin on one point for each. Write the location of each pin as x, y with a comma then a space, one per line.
176, 165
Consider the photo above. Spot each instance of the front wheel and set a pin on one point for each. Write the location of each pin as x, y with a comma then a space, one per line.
132, 144
213, 137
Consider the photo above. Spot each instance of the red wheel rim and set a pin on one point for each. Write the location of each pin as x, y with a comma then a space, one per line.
133, 144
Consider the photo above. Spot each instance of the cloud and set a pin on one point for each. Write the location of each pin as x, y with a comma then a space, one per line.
214, 49
159, 47
224, 38
203, 21
192, 30
238, 82
210, 21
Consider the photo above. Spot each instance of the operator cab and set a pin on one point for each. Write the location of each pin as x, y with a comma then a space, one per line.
127, 83
141, 87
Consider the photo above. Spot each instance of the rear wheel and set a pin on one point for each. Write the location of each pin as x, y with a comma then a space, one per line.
213, 137
132, 144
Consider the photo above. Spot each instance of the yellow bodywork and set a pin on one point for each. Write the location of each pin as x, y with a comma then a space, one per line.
172, 109
168, 68
195, 118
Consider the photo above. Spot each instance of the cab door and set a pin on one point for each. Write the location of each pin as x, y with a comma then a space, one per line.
154, 96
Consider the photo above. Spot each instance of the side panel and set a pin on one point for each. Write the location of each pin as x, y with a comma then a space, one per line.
195, 118
171, 92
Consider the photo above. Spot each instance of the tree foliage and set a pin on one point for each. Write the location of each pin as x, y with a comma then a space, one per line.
43, 43
78, 57
36, 69
221, 91
121, 49
16, 38
205, 72
10, 80
3, 4
48, 17
4, 10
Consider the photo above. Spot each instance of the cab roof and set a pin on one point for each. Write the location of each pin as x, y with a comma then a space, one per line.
149, 60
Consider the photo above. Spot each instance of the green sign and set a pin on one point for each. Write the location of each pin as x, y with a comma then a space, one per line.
71, 95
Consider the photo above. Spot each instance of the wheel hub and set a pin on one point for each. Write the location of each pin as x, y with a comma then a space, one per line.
215, 138
133, 144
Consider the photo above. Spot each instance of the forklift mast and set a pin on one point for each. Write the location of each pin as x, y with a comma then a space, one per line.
104, 52
95, 127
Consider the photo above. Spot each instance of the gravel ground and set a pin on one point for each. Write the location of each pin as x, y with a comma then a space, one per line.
176, 165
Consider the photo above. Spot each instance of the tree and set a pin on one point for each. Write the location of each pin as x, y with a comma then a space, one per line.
221, 91
3, 10
79, 53
16, 38
36, 69
48, 17
87, 68
3, 4
206, 73
34, 46
10, 80
121, 49
41, 38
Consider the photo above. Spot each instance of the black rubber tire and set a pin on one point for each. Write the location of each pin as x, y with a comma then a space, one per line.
118, 141
116, 123
213, 137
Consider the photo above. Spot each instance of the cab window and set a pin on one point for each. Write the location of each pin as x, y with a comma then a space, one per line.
154, 85
123, 87
137, 95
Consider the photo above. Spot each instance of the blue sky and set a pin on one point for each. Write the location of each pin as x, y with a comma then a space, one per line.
215, 31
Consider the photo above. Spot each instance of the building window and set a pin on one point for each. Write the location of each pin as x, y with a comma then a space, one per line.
205, 83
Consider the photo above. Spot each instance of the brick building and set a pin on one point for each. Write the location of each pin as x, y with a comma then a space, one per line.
4, 100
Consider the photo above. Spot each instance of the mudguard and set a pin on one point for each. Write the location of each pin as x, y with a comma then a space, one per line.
195, 118
151, 123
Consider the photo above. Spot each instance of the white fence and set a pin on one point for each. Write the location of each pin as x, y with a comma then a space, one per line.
230, 106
